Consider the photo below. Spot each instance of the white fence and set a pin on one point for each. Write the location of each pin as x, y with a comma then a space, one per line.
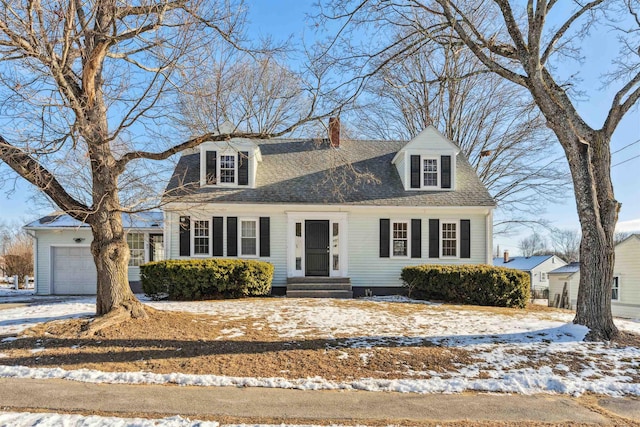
14, 281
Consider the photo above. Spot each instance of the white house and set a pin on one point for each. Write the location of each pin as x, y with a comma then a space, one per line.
63, 263
330, 214
335, 218
538, 267
625, 295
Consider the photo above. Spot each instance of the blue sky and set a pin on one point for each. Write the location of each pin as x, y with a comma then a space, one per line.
283, 18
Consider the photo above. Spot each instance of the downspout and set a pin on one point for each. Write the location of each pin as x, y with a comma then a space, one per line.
35, 260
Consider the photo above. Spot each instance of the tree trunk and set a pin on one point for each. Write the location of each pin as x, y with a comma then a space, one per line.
598, 213
111, 255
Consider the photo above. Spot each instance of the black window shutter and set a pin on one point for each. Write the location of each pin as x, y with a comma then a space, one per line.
415, 171
384, 238
416, 238
445, 174
265, 236
434, 238
232, 236
211, 167
465, 238
185, 236
243, 168
218, 230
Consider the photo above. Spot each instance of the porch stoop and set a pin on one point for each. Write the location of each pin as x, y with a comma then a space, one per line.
319, 287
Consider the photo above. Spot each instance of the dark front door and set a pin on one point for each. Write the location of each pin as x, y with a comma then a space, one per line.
316, 248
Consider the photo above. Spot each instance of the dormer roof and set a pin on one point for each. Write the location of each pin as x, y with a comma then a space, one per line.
429, 140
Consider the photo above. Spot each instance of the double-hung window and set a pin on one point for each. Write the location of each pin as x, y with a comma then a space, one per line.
227, 169
615, 289
248, 237
400, 238
430, 172
201, 236
449, 239
135, 241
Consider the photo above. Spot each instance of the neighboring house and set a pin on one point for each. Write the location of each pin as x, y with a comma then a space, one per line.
63, 261
330, 214
625, 294
538, 267
334, 217
569, 276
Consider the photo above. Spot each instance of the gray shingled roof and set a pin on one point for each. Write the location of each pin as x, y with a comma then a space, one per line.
309, 172
573, 267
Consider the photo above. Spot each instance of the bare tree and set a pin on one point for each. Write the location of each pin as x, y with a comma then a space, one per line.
566, 244
495, 123
96, 84
16, 249
523, 42
534, 244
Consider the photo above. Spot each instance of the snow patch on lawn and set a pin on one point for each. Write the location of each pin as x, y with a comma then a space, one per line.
54, 420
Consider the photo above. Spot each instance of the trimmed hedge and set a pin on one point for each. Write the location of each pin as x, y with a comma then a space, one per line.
468, 284
212, 278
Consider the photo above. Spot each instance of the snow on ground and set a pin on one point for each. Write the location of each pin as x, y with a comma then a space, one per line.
24, 419
504, 344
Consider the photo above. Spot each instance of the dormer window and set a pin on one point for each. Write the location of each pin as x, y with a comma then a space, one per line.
430, 172
226, 168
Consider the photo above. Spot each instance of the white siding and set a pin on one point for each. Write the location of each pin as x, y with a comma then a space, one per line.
627, 268
401, 165
556, 284
545, 267
365, 267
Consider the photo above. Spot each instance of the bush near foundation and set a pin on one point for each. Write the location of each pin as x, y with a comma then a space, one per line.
468, 284
212, 278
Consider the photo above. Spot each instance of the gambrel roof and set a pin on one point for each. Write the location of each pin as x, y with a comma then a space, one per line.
302, 171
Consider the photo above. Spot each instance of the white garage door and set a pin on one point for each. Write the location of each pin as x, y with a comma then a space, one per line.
74, 271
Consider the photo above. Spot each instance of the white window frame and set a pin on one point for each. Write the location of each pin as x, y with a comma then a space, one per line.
422, 172
257, 223
144, 247
441, 238
391, 238
543, 276
193, 237
616, 281
219, 168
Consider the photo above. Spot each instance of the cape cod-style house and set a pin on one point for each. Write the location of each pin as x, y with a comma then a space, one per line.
335, 217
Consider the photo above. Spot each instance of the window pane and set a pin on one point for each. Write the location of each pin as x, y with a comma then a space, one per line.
400, 238
430, 172
201, 237
298, 246
615, 289
227, 169
449, 239
248, 240
136, 249
336, 246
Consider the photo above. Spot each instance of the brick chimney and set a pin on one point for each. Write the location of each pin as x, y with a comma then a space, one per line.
506, 257
334, 132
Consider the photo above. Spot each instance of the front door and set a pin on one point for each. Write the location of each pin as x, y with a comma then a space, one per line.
317, 248
156, 247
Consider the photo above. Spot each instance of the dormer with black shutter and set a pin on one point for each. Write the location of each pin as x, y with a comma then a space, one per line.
229, 163
427, 162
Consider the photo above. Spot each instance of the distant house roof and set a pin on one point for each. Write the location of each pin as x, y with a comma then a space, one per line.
523, 263
310, 172
570, 268
151, 219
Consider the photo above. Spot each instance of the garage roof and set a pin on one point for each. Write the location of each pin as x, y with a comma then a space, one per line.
150, 219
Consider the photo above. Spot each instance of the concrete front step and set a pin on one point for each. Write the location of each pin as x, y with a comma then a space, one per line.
318, 279
319, 293
318, 286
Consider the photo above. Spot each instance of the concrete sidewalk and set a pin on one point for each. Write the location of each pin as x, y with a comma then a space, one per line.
266, 403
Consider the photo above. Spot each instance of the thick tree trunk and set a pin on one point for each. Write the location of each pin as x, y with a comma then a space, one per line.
598, 213
111, 255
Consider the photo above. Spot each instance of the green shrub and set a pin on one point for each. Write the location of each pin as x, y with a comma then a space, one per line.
468, 284
210, 278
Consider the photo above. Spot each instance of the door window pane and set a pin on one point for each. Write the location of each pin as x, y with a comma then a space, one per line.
336, 246
298, 246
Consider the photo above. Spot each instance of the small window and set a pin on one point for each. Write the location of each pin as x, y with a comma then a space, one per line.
615, 289
298, 246
248, 237
543, 276
336, 246
136, 249
449, 239
201, 237
227, 169
430, 172
400, 239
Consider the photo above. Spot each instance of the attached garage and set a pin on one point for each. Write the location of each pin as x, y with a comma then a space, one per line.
73, 271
